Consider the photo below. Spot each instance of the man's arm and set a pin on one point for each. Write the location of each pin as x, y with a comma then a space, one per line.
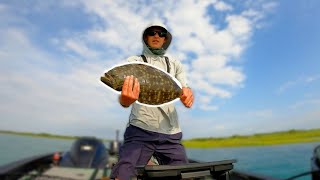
186, 97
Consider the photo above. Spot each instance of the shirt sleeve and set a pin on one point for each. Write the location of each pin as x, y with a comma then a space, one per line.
180, 73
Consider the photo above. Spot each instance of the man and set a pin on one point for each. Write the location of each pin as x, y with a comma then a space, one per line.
152, 131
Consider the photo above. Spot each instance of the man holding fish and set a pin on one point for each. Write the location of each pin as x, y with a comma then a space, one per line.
152, 131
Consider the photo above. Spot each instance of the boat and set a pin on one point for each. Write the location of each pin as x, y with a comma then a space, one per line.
89, 159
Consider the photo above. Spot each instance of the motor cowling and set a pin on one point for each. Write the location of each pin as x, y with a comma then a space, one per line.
86, 152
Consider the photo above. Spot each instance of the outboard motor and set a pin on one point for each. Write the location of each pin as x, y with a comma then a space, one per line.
86, 152
315, 163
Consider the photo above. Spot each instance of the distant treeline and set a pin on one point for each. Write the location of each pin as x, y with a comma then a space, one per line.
42, 135
262, 139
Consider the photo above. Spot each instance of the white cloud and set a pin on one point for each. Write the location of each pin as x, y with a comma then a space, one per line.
313, 78
239, 26
222, 6
226, 76
208, 108
59, 85
209, 89
269, 6
209, 63
3, 8
80, 48
300, 81
305, 103
261, 114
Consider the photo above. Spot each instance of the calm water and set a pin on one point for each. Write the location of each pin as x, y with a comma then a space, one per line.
16, 147
277, 161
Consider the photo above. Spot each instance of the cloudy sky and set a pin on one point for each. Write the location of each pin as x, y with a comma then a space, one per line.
254, 65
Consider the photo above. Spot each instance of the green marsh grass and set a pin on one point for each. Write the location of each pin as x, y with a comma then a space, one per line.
263, 139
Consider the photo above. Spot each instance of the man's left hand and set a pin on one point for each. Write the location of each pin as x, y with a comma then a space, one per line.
187, 97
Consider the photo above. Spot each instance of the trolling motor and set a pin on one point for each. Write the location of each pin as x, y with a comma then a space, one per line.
115, 145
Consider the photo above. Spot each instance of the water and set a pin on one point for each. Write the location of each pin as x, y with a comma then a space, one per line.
277, 161
15, 147
281, 161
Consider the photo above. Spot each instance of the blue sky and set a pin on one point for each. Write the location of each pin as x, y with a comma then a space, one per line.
253, 65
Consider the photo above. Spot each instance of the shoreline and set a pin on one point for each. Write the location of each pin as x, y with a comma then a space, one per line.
261, 139
39, 135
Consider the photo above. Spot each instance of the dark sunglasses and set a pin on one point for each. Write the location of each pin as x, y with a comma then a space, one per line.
153, 33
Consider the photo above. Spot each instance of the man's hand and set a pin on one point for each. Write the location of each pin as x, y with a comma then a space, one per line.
130, 91
187, 97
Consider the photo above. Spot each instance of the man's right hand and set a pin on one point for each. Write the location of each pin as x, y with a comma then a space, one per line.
130, 91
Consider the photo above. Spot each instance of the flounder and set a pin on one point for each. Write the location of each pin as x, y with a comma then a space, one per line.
157, 87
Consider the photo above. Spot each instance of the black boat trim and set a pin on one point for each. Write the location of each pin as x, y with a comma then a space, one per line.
17, 169
302, 174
